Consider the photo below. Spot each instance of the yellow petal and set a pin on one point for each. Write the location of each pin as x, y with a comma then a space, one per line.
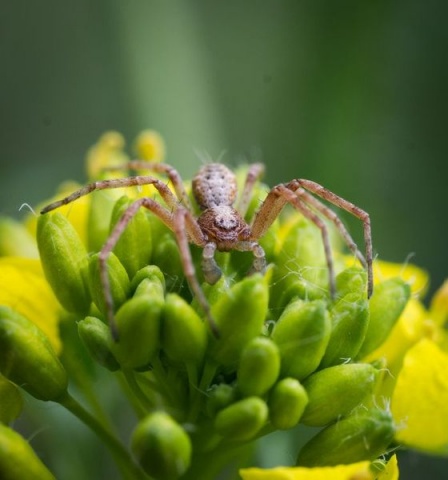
439, 305
411, 326
417, 278
420, 399
355, 471
23, 287
391, 470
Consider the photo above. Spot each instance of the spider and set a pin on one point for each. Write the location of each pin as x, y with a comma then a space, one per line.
220, 225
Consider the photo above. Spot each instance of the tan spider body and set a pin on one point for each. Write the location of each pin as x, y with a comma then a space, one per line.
221, 226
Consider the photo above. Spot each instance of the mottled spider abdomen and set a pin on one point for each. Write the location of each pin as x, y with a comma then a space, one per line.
214, 185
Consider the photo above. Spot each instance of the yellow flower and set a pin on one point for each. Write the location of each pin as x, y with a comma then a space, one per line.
23, 287
355, 471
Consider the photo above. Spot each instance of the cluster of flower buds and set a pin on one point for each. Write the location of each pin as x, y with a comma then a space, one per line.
287, 353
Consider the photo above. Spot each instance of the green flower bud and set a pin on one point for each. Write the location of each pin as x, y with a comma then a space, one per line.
302, 334
120, 285
27, 357
135, 244
259, 367
364, 435
11, 401
138, 324
184, 334
96, 337
65, 261
386, 304
349, 323
352, 280
242, 420
18, 460
146, 279
16, 240
287, 403
166, 256
239, 314
335, 391
162, 447
98, 219
219, 397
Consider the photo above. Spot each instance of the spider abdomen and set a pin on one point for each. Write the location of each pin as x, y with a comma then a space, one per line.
214, 185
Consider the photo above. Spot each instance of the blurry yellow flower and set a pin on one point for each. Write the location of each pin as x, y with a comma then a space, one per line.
150, 146
23, 288
420, 399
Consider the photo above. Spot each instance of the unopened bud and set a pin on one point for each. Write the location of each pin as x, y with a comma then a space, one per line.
162, 447
184, 334
386, 305
352, 280
27, 357
18, 460
349, 323
11, 401
287, 402
335, 391
219, 397
65, 262
364, 435
135, 244
97, 338
239, 314
243, 419
259, 367
302, 333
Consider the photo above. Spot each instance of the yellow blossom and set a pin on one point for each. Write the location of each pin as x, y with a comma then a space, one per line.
23, 287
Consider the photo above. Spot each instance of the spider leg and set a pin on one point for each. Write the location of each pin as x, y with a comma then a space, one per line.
254, 174
277, 198
164, 191
331, 197
210, 269
120, 226
259, 263
185, 228
165, 169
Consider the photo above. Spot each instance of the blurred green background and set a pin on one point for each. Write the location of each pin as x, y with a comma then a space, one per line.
350, 94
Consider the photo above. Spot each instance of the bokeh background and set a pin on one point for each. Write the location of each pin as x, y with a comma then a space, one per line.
351, 94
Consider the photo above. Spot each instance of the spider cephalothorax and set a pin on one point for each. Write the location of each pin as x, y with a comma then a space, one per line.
221, 225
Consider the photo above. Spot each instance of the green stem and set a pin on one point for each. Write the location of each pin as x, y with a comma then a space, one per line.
145, 403
119, 453
206, 378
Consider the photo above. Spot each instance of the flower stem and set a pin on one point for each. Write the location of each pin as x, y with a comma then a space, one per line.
119, 453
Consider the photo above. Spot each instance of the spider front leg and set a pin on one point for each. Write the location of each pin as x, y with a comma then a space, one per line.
129, 214
210, 269
185, 227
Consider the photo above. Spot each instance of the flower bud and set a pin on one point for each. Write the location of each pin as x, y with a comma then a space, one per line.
335, 391
166, 256
119, 283
162, 447
138, 324
27, 357
17, 458
349, 323
386, 304
287, 402
98, 217
239, 314
65, 262
259, 367
146, 279
351, 280
242, 420
11, 401
184, 334
219, 397
364, 435
96, 337
302, 333
135, 244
